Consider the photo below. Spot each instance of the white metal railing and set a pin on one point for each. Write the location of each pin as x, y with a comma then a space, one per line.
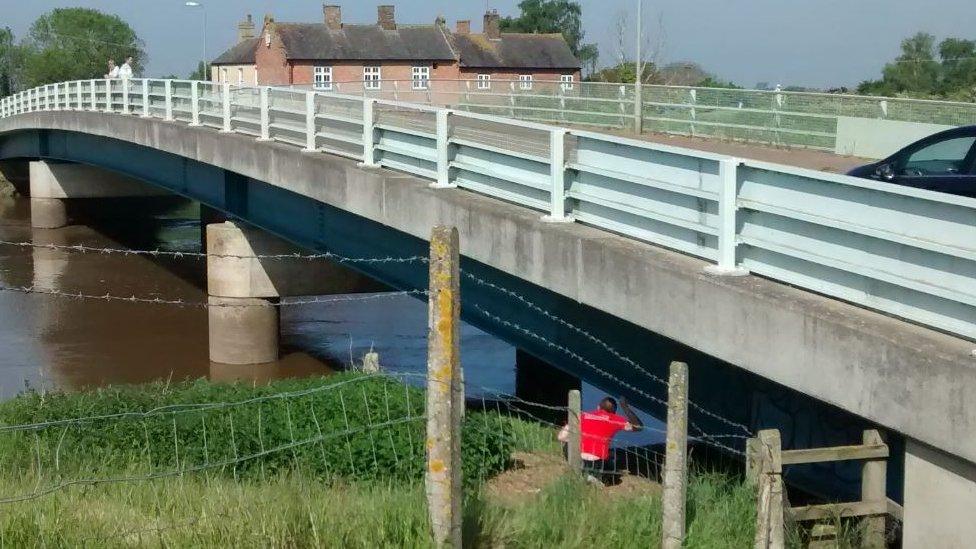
904, 251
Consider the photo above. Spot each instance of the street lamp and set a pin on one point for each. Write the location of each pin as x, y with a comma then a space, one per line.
206, 64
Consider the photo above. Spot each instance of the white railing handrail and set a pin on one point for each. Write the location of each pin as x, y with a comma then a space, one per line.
766, 218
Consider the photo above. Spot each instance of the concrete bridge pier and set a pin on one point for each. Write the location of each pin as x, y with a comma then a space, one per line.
940, 498
54, 184
244, 289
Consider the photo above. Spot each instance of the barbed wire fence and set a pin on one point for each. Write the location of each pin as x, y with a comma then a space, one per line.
369, 427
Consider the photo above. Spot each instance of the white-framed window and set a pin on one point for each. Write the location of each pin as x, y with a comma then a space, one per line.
323, 78
484, 81
255, 75
223, 75
566, 82
371, 78
420, 77
240, 76
525, 81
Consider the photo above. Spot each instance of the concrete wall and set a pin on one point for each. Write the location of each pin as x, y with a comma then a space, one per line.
940, 499
875, 138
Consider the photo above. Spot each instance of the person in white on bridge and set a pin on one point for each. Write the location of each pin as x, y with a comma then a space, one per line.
113, 69
126, 70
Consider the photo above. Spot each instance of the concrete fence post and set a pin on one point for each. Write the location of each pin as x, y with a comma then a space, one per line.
57, 100
81, 95
194, 103
168, 99
770, 525
309, 122
557, 173
693, 100
675, 459
445, 392
573, 445
727, 264
94, 95
369, 133
108, 95
225, 102
874, 489
443, 119
264, 101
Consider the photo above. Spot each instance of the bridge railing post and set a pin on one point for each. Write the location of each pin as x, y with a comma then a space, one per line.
443, 119
265, 114
557, 173
94, 95
126, 82
309, 122
146, 111
57, 102
81, 95
168, 99
225, 103
727, 263
194, 103
369, 133
108, 95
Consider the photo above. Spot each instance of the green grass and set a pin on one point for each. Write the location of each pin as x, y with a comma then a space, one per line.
155, 479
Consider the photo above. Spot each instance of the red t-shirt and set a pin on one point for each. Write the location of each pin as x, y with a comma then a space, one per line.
596, 431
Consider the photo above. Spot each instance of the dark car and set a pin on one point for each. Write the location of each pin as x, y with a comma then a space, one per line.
944, 162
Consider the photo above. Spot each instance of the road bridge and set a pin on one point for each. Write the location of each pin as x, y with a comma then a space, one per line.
857, 294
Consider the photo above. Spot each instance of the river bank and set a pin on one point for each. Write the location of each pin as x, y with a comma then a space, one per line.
328, 462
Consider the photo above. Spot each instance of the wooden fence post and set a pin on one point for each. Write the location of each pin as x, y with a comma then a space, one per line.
445, 392
873, 489
573, 445
675, 459
770, 527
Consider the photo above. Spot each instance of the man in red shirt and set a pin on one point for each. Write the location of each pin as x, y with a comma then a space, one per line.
597, 429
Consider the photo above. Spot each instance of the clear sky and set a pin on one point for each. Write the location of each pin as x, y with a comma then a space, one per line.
820, 43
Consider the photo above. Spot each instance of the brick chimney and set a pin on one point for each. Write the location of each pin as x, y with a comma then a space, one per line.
492, 27
245, 29
464, 27
385, 17
333, 16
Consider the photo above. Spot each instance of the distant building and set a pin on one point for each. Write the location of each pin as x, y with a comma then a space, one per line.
322, 54
237, 65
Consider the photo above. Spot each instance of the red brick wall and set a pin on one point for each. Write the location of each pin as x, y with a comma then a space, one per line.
273, 68
352, 71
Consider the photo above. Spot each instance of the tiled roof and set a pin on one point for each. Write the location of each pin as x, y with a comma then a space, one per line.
364, 42
241, 54
517, 51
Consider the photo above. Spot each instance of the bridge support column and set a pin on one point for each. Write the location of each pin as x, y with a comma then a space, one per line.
53, 184
539, 382
940, 498
245, 287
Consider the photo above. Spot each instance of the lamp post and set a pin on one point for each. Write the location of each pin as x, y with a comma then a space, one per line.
206, 65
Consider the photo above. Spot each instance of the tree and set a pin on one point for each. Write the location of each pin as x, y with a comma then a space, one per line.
915, 70
200, 73
75, 44
8, 54
958, 59
550, 17
589, 56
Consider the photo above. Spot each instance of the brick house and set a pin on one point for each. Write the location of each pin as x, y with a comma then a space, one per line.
322, 54
237, 65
